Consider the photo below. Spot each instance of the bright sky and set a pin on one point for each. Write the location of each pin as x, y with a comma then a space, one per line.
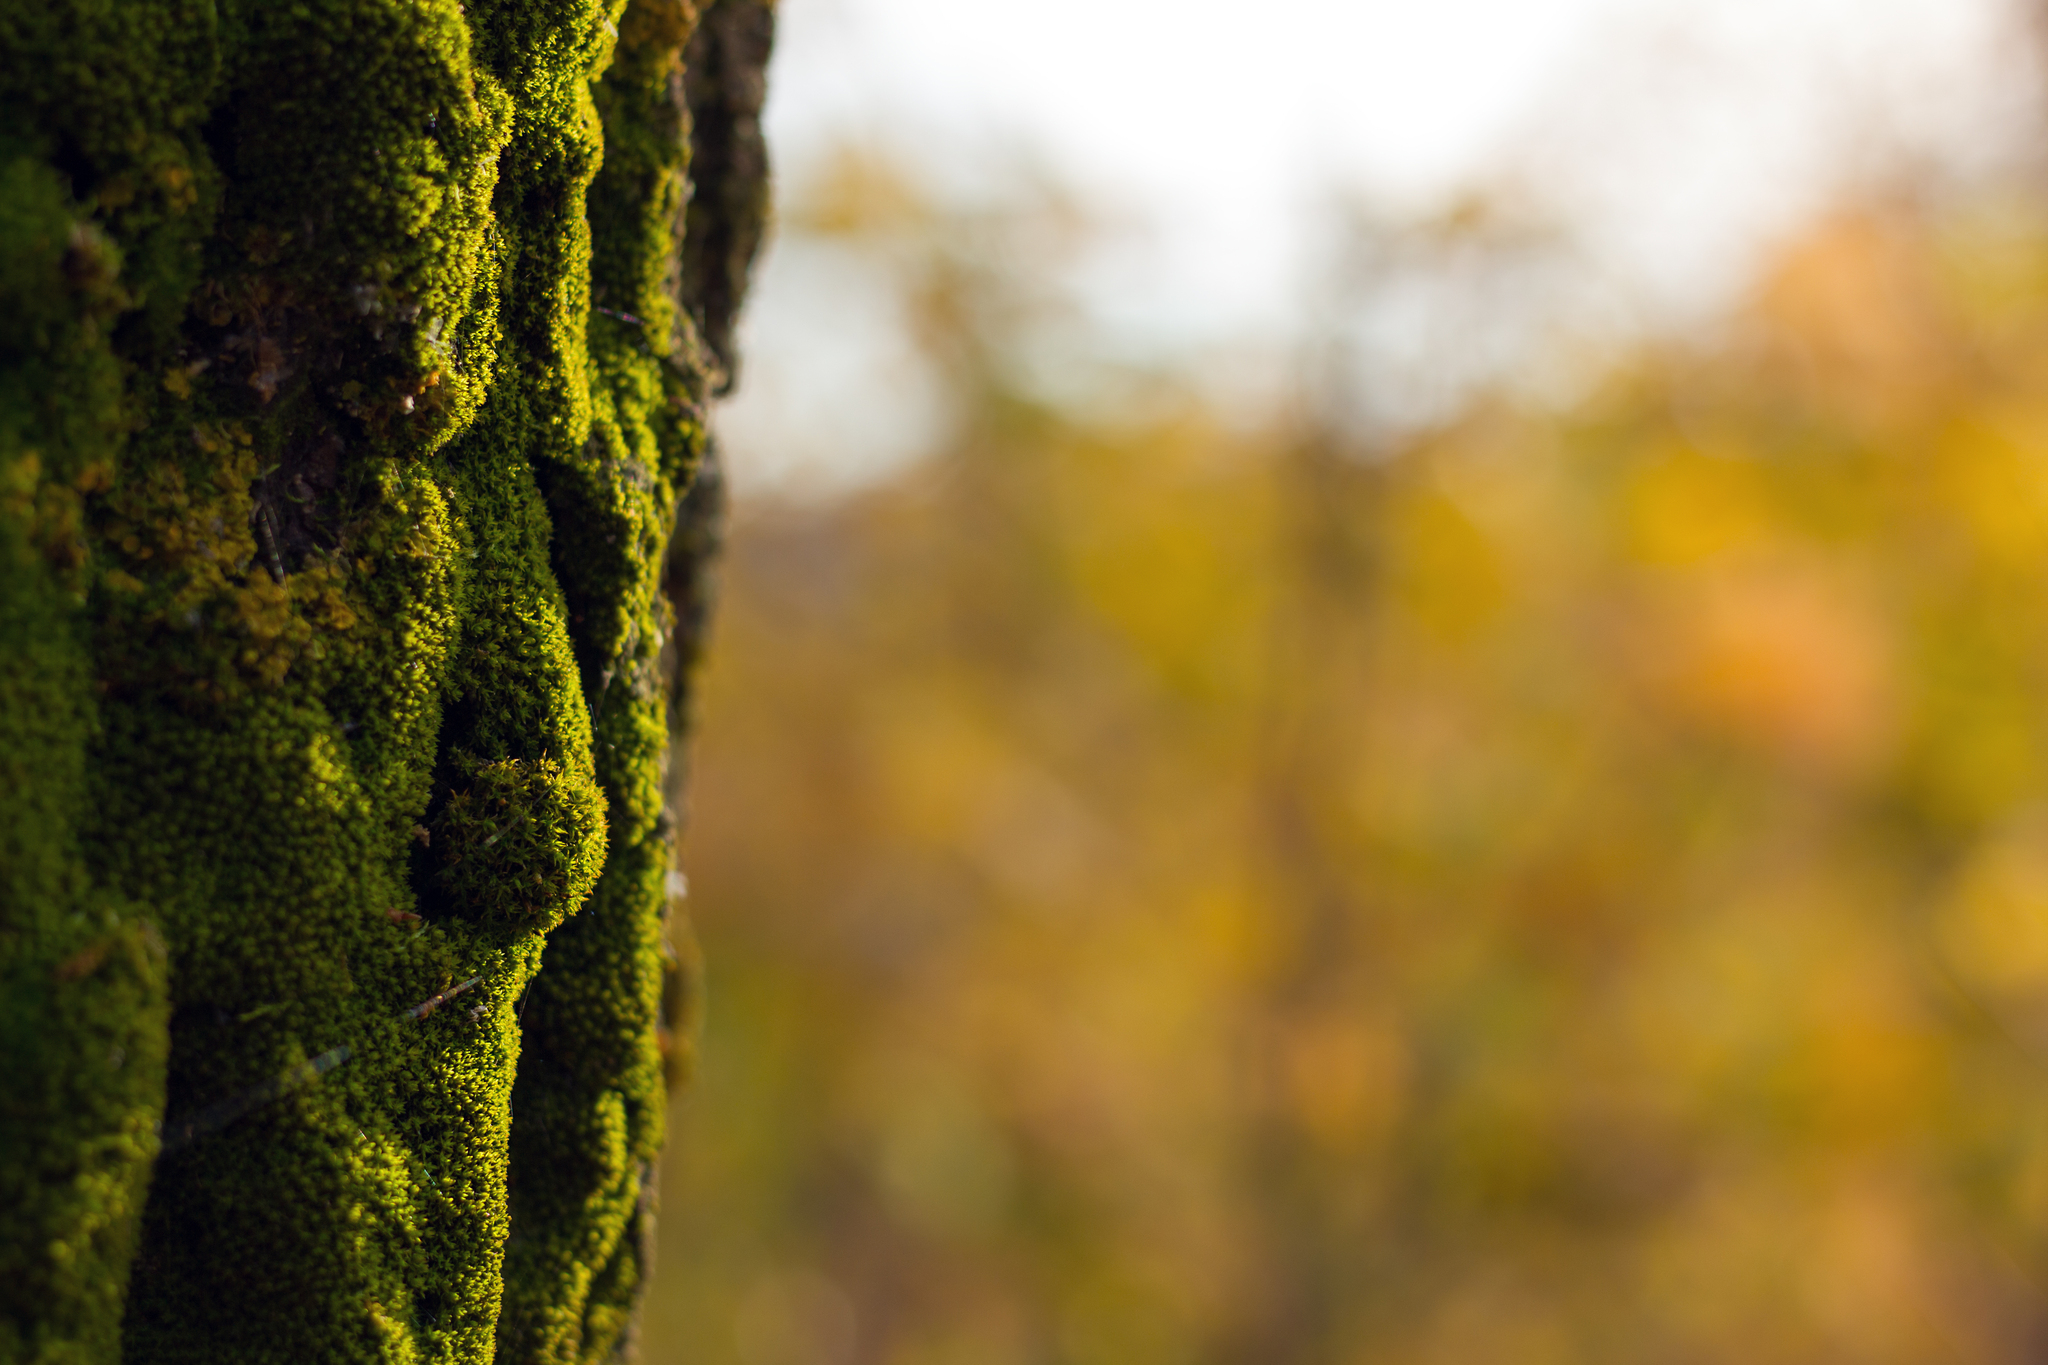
1674, 138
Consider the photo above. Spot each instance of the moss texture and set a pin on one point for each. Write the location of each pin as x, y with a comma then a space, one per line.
352, 362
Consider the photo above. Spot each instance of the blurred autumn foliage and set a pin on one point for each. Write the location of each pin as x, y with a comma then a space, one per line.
1569, 887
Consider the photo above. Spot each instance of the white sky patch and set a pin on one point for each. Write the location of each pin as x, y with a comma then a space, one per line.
1674, 140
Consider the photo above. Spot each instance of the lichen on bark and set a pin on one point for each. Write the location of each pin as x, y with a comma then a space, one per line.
353, 356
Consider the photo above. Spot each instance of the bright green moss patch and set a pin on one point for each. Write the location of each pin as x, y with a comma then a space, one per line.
520, 846
349, 383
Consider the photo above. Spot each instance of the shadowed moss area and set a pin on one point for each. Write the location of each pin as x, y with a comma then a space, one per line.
333, 519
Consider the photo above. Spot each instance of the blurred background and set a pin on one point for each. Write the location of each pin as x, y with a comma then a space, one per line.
1381, 693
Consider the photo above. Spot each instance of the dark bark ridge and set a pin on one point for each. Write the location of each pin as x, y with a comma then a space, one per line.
352, 364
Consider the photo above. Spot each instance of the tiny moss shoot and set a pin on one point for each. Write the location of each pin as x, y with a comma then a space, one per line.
353, 357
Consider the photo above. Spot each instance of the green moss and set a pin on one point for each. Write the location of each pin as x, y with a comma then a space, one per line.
334, 520
82, 979
521, 845
591, 1090
82, 1044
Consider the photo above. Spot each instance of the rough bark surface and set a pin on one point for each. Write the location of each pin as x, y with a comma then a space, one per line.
352, 362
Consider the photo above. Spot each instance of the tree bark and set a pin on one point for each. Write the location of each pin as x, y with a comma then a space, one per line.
353, 356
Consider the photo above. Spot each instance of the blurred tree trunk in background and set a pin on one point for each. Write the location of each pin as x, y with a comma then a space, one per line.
353, 357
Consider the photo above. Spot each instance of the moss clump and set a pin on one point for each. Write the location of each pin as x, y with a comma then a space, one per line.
521, 845
332, 516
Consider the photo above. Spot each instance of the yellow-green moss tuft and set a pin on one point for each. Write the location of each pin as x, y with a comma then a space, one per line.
520, 846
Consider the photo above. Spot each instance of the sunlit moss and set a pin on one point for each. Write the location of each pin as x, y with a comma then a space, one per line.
309, 441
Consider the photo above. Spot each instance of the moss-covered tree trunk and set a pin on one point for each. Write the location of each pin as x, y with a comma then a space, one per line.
352, 363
